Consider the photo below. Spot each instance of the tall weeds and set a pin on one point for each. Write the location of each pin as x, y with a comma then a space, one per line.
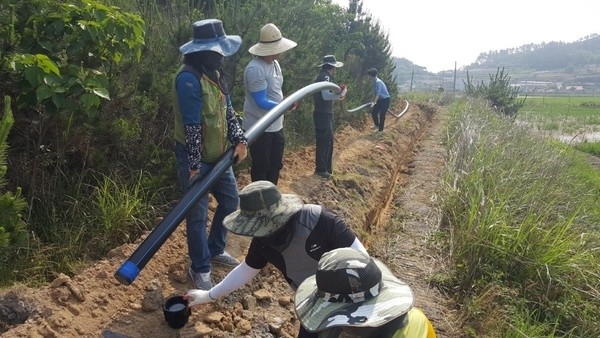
521, 221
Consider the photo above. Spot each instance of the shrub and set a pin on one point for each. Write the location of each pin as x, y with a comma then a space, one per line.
499, 94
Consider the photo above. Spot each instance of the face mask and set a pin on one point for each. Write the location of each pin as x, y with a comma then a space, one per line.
213, 60
280, 239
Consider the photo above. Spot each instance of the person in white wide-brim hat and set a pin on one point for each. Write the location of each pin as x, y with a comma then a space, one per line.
263, 83
201, 104
358, 295
286, 233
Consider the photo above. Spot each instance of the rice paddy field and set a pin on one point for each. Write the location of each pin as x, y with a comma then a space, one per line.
571, 119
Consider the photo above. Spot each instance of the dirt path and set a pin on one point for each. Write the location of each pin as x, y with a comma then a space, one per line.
384, 186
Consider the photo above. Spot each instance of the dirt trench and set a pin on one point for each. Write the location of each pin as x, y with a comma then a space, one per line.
384, 187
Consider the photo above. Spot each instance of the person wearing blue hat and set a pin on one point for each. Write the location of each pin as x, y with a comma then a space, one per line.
201, 106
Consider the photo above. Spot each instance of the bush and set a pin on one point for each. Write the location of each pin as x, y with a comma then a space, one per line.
498, 93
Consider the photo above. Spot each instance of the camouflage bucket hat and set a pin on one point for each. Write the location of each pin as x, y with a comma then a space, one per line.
350, 289
263, 210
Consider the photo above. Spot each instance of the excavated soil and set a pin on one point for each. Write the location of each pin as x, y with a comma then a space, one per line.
384, 185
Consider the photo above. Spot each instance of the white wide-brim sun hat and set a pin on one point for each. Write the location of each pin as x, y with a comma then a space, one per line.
271, 42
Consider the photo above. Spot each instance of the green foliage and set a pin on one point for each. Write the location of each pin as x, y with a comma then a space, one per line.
528, 226
498, 92
118, 207
67, 51
13, 233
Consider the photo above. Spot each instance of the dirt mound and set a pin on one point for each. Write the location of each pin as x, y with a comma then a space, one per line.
383, 186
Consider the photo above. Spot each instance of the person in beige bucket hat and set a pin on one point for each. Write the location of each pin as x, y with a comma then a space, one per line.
271, 42
287, 233
263, 90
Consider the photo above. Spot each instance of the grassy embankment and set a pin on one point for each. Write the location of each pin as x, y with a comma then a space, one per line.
522, 223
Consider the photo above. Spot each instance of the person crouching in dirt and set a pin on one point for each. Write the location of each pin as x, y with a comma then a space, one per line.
359, 296
380, 101
287, 233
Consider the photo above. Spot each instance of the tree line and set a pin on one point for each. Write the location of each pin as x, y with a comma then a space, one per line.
555, 55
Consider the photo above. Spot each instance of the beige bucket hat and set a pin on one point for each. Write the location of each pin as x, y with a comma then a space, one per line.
263, 210
271, 42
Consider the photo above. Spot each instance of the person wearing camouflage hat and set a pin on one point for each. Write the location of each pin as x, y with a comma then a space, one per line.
358, 295
287, 233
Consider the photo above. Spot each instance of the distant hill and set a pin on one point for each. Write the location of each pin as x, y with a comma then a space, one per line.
551, 56
546, 67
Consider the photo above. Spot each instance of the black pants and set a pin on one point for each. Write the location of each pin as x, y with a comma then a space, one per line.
324, 148
267, 156
378, 113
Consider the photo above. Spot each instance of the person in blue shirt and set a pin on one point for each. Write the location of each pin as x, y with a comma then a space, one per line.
206, 126
380, 101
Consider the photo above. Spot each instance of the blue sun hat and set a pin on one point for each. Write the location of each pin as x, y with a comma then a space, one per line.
350, 289
209, 35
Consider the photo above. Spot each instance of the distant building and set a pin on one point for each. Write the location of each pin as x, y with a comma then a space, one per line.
536, 86
574, 88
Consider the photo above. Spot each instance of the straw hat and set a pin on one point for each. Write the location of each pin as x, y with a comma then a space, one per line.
350, 289
263, 210
209, 35
271, 42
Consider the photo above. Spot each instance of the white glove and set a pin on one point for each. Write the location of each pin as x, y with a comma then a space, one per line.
372, 104
197, 297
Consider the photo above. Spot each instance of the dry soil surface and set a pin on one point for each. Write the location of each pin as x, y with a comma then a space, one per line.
384, 185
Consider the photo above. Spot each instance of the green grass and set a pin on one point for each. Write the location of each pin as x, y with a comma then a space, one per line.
589, 147
569, 115
523, 213
89, 222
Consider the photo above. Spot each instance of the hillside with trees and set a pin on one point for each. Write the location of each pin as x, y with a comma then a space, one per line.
549, 67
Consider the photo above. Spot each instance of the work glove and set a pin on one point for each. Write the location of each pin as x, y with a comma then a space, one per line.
344, 90
294, 106
197, 297
372, 104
